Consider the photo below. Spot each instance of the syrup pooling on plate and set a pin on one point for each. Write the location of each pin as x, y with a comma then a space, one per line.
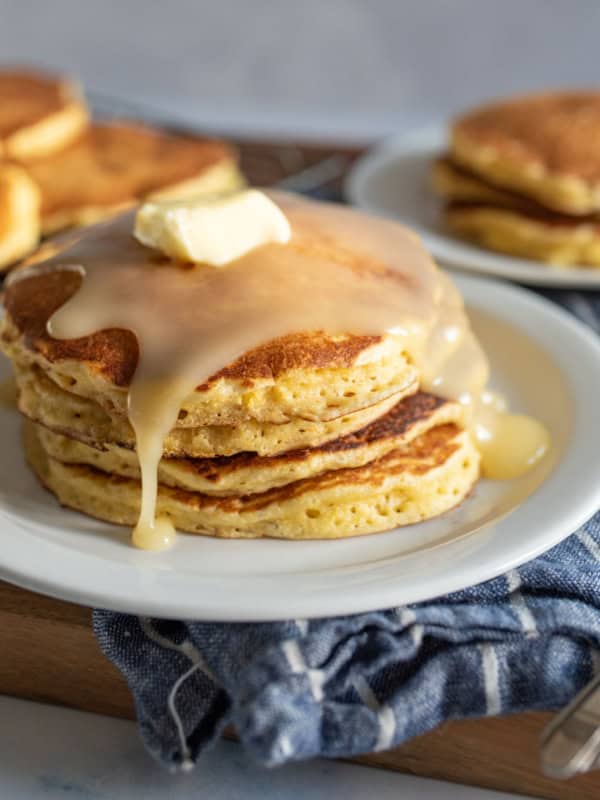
342, 273
509, 444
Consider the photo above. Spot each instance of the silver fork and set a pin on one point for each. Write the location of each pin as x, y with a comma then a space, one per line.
570, 744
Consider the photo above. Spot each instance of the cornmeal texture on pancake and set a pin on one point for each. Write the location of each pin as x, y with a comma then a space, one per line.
455, 183
545, 146
45, 402
249, 473
550, 238
39, 114
429, 476
306, 376
112, 165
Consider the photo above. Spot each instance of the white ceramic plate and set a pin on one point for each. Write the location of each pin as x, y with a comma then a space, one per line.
547, 363
393, 180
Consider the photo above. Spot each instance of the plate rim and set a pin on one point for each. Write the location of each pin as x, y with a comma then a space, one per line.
216, 603
463, 257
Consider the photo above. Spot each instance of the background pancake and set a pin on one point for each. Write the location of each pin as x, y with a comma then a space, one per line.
431, 475
248, 473
19, 214
455, 183
112, 165
39, 114
504, 220
545, 146
541, 237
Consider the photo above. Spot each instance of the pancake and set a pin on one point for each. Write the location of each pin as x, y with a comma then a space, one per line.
546, 147
79, 418
19, 214
300, 376
274, 384
457, 184
547, 237
39, 114
426, 478
110, 166
248, 473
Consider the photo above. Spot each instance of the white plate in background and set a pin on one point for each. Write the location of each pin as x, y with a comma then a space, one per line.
392, 180
547, 364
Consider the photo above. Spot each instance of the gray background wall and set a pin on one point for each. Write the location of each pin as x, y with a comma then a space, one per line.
359, 67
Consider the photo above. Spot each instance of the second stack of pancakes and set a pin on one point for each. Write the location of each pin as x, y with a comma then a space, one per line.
522, 176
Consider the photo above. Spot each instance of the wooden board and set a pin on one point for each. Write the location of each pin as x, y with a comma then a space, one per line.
48, 651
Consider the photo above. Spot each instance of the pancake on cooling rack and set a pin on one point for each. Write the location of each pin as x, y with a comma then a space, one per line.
58, 171
292, 357
522, 176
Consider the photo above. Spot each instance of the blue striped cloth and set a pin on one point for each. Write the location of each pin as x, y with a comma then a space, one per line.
339, 687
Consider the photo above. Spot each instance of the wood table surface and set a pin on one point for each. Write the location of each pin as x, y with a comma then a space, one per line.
48, 651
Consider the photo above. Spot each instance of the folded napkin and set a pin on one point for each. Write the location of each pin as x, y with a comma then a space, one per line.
338, 687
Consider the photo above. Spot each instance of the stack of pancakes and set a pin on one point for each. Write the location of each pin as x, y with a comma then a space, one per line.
307, 436
58, 170
523, 177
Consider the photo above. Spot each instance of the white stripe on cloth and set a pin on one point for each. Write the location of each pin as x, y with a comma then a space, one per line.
385, 716
406, 618
186, 761
298, 665
517, 600
187, 649
491, 679
589, 543
285, 746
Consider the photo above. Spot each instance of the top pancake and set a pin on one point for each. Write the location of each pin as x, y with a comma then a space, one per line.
294, 370
545, 146
337, 374
113, 165
307, 375
39, 114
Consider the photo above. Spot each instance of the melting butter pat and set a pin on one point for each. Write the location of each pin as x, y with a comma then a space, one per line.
214, 230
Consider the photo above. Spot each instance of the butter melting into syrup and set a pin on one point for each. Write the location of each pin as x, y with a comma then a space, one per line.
342, 272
